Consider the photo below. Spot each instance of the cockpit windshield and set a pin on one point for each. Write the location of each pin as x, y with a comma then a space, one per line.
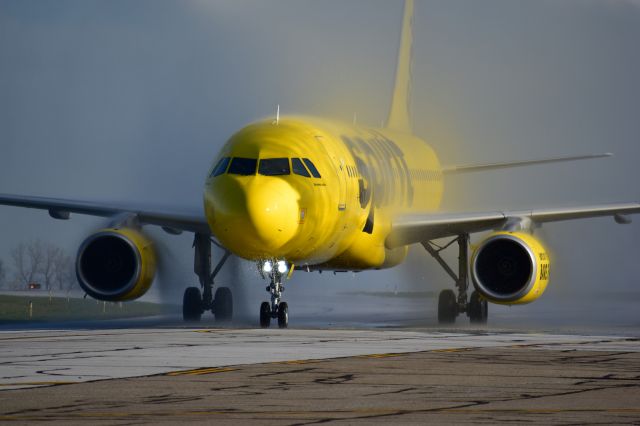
312, 168
243, 166
267, 167
274, 167
299, 168
221, 167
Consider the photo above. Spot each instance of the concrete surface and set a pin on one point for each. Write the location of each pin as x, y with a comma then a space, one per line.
126, 376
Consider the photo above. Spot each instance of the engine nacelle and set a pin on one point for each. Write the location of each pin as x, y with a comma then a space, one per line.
116, 264
510, 268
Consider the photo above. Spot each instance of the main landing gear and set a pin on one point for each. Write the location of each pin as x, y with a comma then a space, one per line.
196, 302
275, 309
450, 305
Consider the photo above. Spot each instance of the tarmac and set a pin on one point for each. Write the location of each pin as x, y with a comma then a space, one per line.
308, 376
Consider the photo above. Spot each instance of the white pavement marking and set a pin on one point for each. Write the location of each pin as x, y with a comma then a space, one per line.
40, 358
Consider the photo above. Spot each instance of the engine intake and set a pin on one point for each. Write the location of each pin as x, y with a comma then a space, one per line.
116, 264
510, 268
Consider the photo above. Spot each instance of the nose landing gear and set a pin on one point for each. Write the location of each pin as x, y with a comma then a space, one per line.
277, 308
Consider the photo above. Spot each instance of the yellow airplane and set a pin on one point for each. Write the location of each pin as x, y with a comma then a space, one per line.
313, 194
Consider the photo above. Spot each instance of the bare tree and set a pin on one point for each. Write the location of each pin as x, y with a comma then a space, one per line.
27, 259
64, 274
51, 257
43, 263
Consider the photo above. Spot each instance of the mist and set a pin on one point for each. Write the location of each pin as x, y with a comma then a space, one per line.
130, 101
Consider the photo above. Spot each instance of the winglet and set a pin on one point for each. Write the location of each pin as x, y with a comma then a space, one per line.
400, 112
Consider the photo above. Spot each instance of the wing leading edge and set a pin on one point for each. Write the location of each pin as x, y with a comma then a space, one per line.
495, 166
61, 209
406, 230
413, 229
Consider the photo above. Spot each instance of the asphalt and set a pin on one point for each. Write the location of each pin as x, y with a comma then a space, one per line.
308, 376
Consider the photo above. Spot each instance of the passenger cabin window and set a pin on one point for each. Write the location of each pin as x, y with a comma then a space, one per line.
274, 167
311, 167
221, 167
299, 168
243, 166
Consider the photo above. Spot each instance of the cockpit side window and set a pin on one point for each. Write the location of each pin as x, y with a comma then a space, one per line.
312, 168
221, 167
274, 167
299, 168
243, 166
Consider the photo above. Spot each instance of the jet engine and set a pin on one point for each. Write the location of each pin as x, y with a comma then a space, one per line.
510, 268
116, 264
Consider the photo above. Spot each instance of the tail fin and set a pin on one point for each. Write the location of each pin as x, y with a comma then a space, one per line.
399, 114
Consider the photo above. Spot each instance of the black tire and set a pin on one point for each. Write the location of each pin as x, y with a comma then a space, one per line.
223, 304
478, 309
265, 315
192, 304
447, 307
283, 315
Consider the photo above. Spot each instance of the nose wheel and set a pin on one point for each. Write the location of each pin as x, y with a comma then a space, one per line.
276, 309
283, 315
265, 315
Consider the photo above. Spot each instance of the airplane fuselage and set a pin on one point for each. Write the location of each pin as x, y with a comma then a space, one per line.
316, 192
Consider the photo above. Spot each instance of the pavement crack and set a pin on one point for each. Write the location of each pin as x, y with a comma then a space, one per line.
391, 392
277, 373
170, 399
392, 413
335, 380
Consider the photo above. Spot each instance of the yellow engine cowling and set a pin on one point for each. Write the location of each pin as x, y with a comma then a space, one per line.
116, 264
510, 268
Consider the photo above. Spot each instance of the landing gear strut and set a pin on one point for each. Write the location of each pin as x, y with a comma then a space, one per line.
450, 305
275, 309
195, 302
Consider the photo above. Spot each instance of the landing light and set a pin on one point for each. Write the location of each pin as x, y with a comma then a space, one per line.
282, 266
267, 267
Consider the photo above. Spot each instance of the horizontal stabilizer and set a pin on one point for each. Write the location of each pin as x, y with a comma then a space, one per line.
494, 166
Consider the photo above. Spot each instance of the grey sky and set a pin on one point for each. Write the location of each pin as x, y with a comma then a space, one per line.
130, 100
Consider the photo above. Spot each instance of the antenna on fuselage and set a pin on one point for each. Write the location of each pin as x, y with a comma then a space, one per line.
277, 120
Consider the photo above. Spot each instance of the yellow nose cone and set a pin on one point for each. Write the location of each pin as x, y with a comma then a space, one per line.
254, 217
272, 206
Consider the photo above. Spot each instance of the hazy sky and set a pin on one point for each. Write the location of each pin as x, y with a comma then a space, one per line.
130, 100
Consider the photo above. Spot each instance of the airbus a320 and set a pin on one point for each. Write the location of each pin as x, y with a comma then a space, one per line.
306, 193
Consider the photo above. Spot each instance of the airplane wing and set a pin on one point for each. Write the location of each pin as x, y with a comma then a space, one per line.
59, 208
494, 166
420, 228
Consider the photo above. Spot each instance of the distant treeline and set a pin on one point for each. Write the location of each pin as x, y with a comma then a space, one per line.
40, 265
